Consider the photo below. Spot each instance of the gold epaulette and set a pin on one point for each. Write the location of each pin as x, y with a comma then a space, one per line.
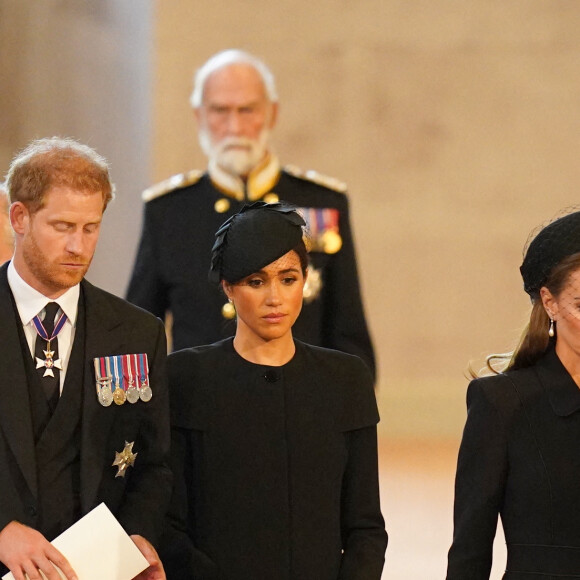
318, 178
175, 182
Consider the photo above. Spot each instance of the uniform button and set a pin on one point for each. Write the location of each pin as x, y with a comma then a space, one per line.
222, 205
32, 510
271, 198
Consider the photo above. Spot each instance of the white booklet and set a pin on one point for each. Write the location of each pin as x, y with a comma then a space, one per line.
98, 547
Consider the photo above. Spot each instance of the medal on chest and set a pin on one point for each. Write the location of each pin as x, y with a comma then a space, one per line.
121, 378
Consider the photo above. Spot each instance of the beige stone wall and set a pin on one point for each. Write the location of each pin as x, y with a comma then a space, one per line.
456, 126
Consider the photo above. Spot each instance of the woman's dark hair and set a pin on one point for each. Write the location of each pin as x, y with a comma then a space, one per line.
302, 252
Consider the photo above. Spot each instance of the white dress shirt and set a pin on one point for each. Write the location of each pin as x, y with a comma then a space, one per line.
30, 302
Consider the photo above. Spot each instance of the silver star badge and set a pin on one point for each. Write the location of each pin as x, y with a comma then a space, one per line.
48, 363
125, 459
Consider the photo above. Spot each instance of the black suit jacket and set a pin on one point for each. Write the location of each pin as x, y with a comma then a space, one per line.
139, 499
520, 458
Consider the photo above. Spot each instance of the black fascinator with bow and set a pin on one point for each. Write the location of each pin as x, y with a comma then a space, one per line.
256, 236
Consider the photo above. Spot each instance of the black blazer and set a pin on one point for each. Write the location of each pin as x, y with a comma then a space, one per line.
139, 499
520, 458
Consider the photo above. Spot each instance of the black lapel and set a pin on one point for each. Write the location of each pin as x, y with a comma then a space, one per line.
103, 336
15, 417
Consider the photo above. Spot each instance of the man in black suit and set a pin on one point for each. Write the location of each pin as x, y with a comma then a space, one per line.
69, 350
236, 105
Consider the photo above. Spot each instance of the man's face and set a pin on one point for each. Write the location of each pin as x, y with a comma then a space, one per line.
235, 118
55, 245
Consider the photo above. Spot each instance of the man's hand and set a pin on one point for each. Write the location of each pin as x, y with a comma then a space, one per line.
155, 570
25, 551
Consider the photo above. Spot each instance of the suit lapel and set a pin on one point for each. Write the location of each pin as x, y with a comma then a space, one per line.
15, 414
103, 336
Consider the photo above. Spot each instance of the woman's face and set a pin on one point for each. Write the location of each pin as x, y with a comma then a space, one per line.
269, 301
565, 310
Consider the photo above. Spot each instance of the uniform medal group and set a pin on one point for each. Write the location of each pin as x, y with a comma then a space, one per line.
323, 229
121, 378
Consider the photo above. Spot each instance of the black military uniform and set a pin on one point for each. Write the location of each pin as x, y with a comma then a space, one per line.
182, 215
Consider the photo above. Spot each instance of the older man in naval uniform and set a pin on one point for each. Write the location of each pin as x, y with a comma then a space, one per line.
83, 402
236, 105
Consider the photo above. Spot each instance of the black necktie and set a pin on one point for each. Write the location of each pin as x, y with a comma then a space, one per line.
50, 380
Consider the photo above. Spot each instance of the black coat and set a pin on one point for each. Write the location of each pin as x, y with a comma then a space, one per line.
520, 458
140, 498
275, 467
172, 265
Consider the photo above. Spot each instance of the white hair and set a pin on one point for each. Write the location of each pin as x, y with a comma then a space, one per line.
227, 58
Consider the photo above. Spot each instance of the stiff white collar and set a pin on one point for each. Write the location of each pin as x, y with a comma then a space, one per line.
30, 302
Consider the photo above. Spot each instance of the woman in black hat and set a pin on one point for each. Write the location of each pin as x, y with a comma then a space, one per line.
274, 441
520, 453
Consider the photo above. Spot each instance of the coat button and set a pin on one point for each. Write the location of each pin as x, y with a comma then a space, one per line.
32, 510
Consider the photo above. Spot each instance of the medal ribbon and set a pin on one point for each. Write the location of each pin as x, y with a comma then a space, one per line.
318, 222
98, 375
135, 368
306, 213
109, 374
42, 331
117, 362
312, 222
127, 370
319, 213
102, 372
331, 219
143, 369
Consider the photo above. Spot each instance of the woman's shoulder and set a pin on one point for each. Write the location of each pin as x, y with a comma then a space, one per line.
347, 383
199, 357
506, 391
333, 361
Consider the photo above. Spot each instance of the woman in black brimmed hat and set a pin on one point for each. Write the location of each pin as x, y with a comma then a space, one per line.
520, 453
274, 441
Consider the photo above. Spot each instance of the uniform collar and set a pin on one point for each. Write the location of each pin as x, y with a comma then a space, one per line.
260, 181
30, 302
563, 392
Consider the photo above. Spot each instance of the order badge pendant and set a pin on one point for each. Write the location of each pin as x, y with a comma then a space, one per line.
313, 285
49, 363
124, 459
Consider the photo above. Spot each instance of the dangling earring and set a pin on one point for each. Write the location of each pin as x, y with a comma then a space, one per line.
229, 310
551, 329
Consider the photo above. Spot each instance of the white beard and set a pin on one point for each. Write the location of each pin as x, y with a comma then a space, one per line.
236, 155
